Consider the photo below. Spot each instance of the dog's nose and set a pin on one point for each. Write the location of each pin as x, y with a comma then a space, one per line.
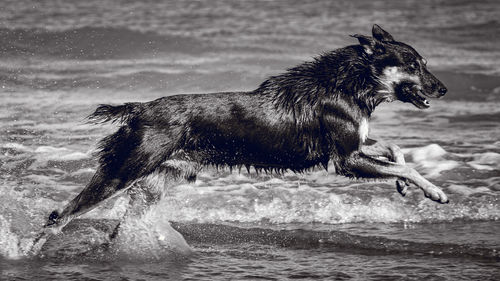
442, 91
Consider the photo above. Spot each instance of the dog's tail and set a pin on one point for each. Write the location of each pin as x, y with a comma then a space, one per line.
121, 113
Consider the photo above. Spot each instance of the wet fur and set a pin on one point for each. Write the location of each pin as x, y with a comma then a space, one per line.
312, 115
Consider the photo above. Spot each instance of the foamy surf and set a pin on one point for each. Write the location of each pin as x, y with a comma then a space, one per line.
430, 160
309, 205
486, 161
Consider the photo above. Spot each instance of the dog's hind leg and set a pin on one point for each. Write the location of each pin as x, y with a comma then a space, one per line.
392, 152
150, 189
363, 166
125, 156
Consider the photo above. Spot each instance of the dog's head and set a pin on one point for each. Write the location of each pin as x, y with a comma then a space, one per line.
400, 71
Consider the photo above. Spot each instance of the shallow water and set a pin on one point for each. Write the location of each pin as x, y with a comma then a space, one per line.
59, 60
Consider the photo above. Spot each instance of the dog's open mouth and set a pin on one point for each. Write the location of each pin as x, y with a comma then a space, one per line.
416, 96
419, 99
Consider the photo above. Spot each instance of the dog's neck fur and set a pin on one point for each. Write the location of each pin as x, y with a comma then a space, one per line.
345, 72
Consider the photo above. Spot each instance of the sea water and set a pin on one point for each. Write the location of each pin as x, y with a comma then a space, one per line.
60, 59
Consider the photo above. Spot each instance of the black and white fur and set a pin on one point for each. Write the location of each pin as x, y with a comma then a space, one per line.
311, 115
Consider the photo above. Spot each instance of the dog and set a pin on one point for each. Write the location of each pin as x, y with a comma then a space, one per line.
311, 115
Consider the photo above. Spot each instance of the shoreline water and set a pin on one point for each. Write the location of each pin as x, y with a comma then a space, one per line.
58, 61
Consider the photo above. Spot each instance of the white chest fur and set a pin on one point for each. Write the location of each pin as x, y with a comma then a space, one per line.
363, 130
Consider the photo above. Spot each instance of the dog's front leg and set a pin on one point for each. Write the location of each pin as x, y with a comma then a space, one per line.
363, 166
392, 152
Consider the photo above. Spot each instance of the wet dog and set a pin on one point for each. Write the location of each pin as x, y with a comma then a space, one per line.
313, 114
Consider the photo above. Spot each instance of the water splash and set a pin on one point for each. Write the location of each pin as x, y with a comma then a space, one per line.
12, 245
149, 237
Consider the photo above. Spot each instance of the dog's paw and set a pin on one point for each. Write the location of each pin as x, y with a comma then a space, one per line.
402, 186
53, 217
437, 195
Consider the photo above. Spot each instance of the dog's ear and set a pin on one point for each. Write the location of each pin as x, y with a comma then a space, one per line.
381, 35
370, 45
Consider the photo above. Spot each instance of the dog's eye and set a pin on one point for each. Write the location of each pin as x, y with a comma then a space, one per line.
413, 65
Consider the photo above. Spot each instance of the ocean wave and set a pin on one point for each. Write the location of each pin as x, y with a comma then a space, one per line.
139, 79
486, 161
45, 153
470, 86
214, 234
148, 239
46, 165
473, 30
356, 203
92, 43
431, 160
